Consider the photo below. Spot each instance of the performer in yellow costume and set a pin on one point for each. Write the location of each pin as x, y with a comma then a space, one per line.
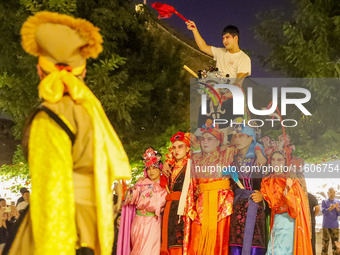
74, 154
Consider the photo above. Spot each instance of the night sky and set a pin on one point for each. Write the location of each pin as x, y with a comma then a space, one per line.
211, 16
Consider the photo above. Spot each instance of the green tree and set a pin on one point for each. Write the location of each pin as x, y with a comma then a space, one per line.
306, 46
18, 170
138, 77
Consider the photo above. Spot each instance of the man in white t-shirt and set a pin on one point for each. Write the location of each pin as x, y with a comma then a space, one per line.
230, 60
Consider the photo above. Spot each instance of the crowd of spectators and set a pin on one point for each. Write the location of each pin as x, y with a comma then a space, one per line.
10, 212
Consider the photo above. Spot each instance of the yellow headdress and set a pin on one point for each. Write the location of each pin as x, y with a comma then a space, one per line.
61, 38
63, 44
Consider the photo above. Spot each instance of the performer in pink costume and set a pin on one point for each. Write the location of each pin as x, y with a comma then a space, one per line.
149, 197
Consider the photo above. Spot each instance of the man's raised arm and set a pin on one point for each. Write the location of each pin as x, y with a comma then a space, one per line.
198, 38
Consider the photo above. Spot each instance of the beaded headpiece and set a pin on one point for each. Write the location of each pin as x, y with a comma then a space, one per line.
208, 127
271, 146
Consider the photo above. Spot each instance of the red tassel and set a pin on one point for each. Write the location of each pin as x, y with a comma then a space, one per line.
163, 181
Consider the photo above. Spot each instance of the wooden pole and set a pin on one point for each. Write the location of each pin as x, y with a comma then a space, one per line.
190, 71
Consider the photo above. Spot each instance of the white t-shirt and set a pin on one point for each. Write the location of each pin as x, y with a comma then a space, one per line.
231, 64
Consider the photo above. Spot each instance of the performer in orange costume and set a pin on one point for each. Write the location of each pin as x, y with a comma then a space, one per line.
210, 199
290, 228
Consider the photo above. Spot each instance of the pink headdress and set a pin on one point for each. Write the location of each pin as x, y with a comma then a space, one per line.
151, 158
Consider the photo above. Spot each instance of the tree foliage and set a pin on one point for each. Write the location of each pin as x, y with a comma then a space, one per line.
138, 77
18, 170
307, 46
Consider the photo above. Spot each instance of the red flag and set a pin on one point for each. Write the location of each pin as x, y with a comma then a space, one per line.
166, 11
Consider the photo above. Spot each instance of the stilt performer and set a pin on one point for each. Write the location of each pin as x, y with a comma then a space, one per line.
74, 154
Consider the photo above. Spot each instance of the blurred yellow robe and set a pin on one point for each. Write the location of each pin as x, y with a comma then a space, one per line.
71, 201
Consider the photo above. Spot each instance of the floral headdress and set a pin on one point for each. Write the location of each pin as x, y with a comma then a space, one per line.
152, 158
271, 146
179, 136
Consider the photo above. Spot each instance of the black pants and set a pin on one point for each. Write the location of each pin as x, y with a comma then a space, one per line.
84, 251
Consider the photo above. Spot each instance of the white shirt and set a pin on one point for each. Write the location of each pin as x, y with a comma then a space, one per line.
231, 63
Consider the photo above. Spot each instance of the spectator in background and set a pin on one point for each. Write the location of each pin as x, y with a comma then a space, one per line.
330, 224
117, 206
13, 216
21, 199
22, 205
3, 225
117, 199
314, 208
116, 231
2, 202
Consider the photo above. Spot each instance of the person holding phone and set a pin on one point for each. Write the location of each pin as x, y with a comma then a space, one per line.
330, 225
2, 202
3, 225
